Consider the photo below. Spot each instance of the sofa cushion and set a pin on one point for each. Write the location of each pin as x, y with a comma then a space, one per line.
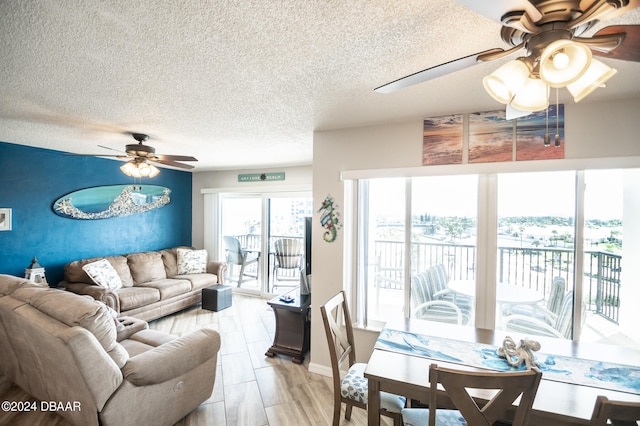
200, 280
170, 287
103, 274
192, 261
146, 266
74, 310
74, 273
134, 297
9, 283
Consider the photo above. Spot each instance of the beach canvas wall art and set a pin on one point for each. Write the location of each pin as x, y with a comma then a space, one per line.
490, 137
530, 131
442, 140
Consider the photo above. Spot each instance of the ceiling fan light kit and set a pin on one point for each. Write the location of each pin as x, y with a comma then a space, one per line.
506, 81
597, 74
558, 55
563, 62
532, 96
139, 169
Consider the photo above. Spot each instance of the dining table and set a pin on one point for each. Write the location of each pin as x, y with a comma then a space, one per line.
404, 350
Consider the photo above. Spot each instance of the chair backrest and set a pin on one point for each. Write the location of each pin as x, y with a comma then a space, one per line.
556, 295
510, 386
620, 413
564, 322
437, 277
425, 284
335, 314
288, 253
234, 250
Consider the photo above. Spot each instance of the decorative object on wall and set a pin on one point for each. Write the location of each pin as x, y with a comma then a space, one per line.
330, 219
260, 177
442, 140
103, 202
35, 273
490, 137
493, 138
5, 219
531, 131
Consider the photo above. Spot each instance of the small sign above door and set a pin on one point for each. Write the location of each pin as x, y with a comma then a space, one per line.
260, 177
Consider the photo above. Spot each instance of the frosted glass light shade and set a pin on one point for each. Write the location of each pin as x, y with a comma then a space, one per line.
573, 62
533, 96
139, 169
504, 83
130, 168
597, 74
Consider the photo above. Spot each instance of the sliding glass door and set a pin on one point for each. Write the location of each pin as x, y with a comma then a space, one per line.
263, 240
536, 252
241, 225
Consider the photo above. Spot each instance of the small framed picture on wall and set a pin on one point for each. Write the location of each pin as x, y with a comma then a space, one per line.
5, 219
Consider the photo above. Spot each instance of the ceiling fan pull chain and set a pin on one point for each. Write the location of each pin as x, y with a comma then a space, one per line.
557, 138
547, 138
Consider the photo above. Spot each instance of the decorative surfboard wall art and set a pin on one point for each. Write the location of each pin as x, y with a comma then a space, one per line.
103, 202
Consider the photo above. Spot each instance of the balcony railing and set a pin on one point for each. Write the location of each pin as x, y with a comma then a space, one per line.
533, 268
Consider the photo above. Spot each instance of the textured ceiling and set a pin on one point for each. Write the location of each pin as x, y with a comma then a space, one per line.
237, 84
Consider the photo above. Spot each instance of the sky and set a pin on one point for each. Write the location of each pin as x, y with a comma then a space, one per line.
520, 194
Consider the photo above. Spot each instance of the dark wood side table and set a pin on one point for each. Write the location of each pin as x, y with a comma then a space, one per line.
293, 326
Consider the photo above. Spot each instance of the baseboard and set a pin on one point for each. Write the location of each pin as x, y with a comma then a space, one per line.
323, 370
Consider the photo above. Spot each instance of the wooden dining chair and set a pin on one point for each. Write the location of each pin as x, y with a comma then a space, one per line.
616, 413
456, 384
353, 388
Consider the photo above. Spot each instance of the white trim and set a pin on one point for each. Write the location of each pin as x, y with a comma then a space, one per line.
490, 168
578, 266
258, 189
323, 370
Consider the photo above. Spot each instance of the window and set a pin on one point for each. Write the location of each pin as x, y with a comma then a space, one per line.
381, 249
545, 233
442, 232
536, 252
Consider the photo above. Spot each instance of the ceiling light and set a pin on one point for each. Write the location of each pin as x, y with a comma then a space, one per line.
524, 84
533, 96
564, 61
504, 83
139, 168
597, 74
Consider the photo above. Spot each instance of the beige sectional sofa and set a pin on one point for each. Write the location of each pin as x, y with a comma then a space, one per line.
152, 285
64, 349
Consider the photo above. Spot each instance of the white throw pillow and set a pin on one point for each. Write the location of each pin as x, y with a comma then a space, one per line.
192, 261
103, 274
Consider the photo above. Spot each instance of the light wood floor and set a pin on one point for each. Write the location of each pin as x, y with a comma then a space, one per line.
250, 388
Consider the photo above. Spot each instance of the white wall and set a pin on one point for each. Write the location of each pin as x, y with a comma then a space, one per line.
294, 177
592, 130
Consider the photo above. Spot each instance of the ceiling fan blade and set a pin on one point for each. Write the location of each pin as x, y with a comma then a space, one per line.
175, 157
111, 149
99, 155
434, 72
629, 48
602, 9
495, 9
172, 163
585, 4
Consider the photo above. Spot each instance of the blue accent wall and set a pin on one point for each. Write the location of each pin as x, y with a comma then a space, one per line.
32, 179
